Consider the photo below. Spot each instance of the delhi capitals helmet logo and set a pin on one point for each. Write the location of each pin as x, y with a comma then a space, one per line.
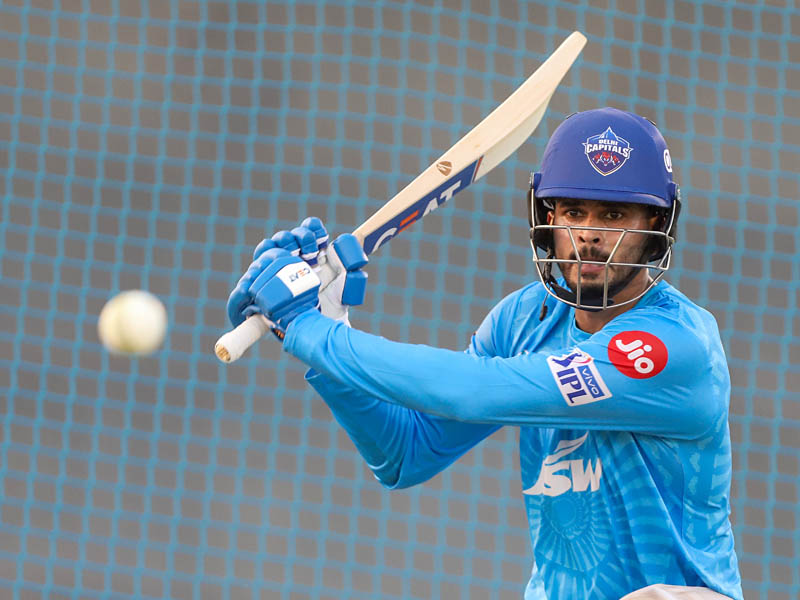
607, 152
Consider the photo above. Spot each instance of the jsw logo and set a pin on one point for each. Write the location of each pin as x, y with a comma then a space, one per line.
559, 476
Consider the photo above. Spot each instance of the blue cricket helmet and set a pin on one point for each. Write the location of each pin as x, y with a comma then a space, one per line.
607, 154
604, 154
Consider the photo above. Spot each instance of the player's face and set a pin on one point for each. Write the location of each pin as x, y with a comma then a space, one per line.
598, 243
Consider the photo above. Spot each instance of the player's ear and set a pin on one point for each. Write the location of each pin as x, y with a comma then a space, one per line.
657, 219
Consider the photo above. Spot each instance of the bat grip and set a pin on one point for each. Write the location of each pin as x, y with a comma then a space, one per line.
232, 345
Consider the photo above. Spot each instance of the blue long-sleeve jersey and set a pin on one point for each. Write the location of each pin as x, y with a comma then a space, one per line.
624, 444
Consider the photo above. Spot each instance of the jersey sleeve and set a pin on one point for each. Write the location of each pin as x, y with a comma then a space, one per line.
402, 446
644, 372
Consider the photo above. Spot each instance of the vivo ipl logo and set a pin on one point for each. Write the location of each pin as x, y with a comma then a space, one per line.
607, 152
577, 378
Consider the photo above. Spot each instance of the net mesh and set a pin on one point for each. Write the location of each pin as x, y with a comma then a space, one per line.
153, 144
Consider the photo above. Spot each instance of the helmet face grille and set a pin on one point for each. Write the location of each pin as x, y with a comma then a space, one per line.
587, 296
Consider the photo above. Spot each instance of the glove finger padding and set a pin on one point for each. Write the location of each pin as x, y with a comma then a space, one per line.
263, 246
302, 241
306, 240
240, 301
287, 240
321, 234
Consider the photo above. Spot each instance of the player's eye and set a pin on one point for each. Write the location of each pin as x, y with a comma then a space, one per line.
614, 215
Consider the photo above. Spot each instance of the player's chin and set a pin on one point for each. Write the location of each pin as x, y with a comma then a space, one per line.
592, 284
590, 291
589, 275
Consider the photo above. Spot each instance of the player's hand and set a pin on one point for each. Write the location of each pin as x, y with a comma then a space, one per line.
284, 287
345, 286
307, 242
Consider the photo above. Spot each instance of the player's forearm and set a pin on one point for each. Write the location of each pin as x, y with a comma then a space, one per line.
522, 390
422, 378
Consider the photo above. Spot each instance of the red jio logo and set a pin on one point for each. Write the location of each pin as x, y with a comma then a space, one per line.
637, 354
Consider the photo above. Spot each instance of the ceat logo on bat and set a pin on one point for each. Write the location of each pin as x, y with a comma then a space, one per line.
577, 378
637, 354
607, 152
300, 272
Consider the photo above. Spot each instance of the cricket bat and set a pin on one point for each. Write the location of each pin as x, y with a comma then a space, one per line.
491, 141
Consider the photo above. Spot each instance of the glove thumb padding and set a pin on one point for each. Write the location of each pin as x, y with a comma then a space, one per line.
349, 251
349, 256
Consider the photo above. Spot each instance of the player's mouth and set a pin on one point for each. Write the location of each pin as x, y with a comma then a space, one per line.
596, 263
592, 269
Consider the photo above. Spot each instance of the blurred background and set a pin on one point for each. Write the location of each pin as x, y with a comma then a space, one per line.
152, 144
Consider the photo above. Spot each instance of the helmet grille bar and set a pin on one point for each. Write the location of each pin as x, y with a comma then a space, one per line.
576, 298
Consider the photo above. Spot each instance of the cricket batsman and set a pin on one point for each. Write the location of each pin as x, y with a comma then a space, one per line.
617, 381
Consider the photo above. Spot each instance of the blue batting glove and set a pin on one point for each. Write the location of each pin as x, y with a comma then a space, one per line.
309, 242
285, 288
306, 241
240, 302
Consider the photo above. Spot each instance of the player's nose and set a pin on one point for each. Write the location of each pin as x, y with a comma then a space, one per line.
588, 236
592, 234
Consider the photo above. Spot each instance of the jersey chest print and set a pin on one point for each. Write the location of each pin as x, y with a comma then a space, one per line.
563, 471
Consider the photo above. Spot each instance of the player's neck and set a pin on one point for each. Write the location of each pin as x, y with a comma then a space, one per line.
594, 321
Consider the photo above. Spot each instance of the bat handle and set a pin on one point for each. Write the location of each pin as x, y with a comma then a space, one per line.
232, 345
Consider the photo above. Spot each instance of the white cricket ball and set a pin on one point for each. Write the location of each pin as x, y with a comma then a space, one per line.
132, 322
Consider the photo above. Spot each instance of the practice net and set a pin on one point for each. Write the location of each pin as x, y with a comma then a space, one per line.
153, 144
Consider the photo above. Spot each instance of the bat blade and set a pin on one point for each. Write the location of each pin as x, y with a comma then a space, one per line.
487, 145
